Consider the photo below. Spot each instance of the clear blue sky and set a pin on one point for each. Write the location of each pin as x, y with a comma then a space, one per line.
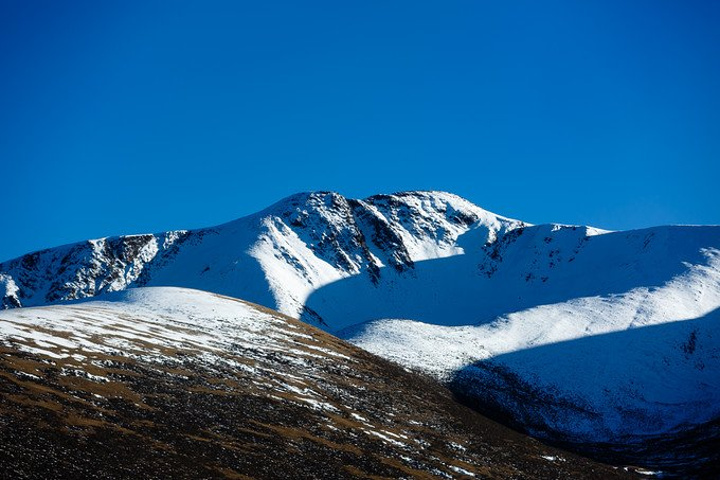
129, 116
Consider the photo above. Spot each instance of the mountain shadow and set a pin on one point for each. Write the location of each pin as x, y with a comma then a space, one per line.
649, 396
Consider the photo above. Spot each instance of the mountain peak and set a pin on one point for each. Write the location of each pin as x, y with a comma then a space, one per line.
308, 239
432, 205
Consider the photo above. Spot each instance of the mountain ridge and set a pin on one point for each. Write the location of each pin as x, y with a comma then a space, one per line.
369, 242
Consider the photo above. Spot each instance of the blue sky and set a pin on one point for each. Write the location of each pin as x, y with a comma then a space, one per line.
130, 117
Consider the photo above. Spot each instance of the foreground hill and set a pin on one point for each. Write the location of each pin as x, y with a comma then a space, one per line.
571, 333
177, 383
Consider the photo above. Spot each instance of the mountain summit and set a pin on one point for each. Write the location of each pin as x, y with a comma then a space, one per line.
276, 257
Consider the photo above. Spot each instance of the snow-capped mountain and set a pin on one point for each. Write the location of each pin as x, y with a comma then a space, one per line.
572, 332
276, 257
179, 383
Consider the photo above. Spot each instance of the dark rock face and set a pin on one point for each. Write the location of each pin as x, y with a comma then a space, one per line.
86, 269
383, 237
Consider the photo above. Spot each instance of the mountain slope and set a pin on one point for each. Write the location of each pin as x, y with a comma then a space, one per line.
651, 392
177, 383
671, 291
619, 346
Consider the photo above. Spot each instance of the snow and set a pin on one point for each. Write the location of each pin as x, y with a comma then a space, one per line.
170, 324
9, 290
318, 405
457, 446
649, 473
152, 323
385, 436
359, 417
461, 471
